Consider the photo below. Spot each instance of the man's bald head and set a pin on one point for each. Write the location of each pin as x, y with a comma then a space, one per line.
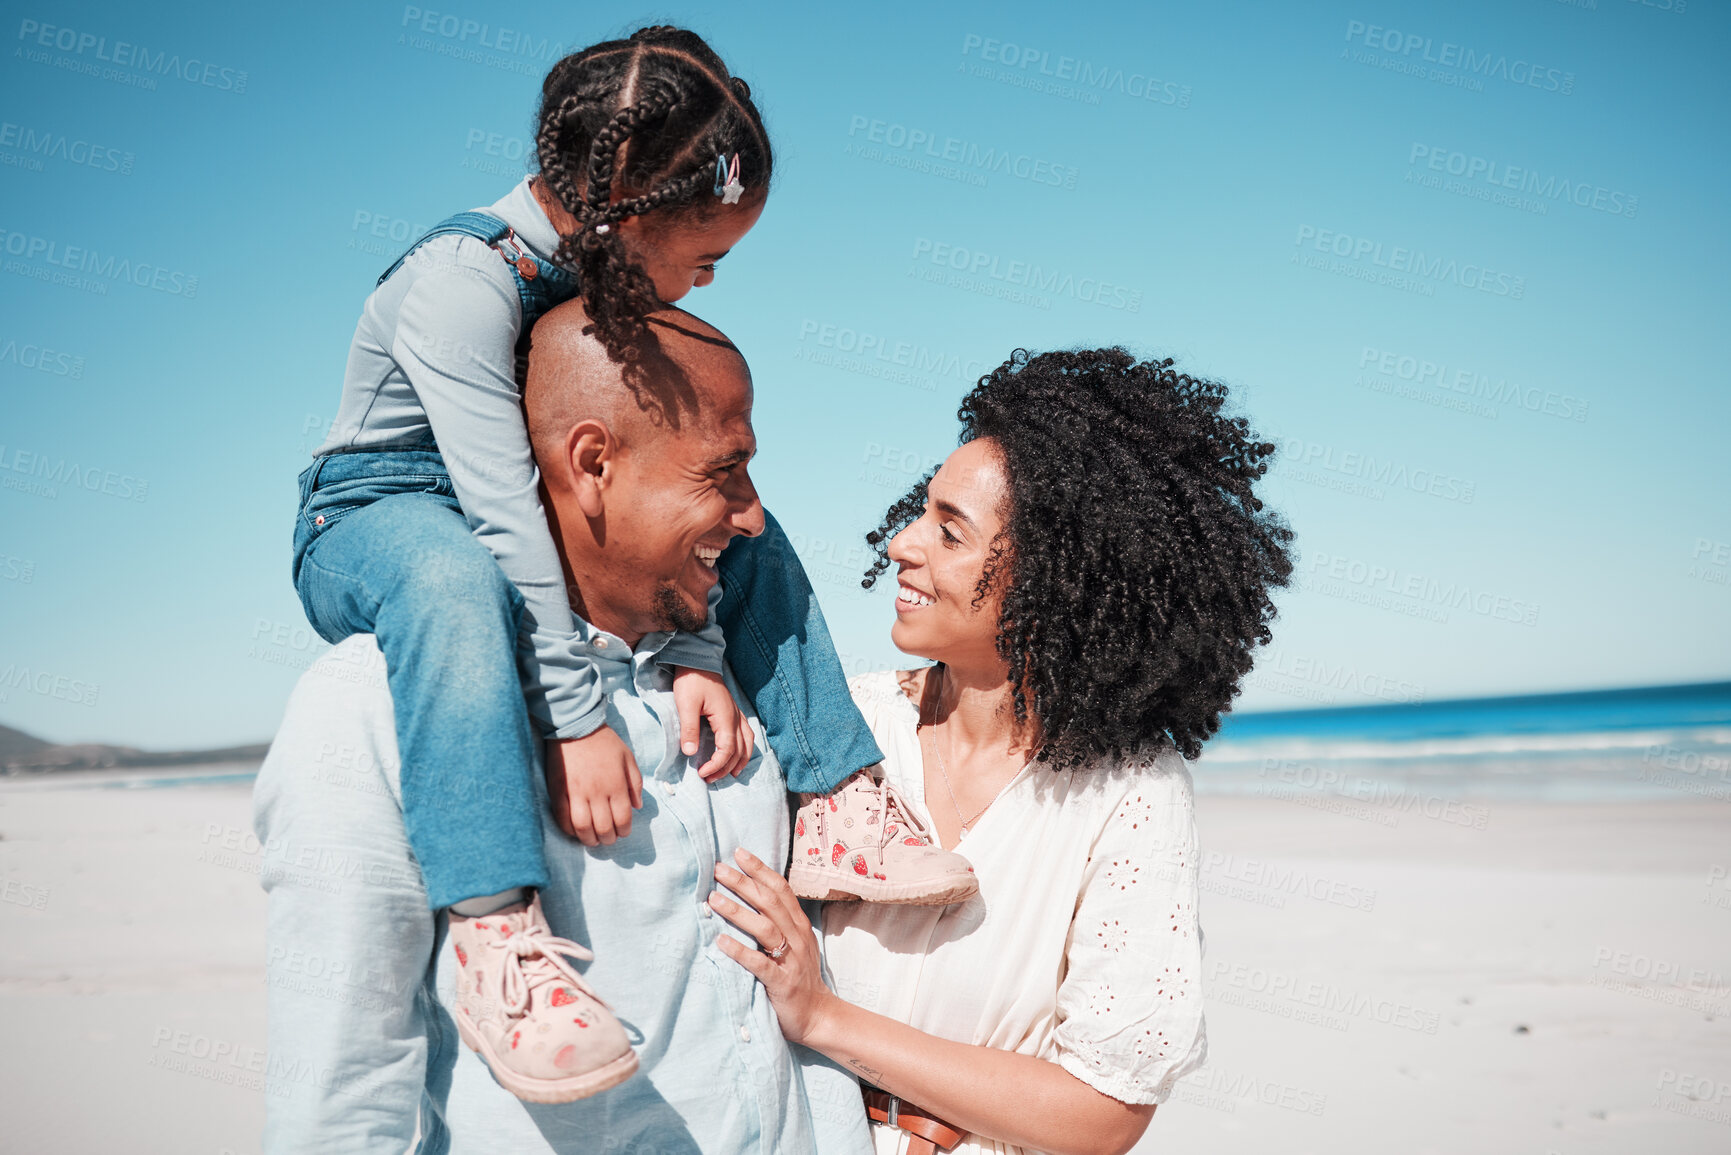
644, 465
685, 369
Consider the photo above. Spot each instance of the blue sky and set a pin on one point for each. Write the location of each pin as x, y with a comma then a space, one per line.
1465, 262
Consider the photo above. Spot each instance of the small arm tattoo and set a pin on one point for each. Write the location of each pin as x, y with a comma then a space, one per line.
871, 1073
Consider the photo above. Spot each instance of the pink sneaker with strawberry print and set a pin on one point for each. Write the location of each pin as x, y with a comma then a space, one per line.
522, 1007
861, 843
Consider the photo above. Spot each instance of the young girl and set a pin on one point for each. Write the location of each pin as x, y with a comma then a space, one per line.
421, 522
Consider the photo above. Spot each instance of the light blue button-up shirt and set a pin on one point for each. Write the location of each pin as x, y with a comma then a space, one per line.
354, 1052
716, 1074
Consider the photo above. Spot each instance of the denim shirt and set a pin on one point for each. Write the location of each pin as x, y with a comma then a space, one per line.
433, 362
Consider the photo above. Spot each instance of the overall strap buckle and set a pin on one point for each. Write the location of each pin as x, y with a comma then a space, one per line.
517, 254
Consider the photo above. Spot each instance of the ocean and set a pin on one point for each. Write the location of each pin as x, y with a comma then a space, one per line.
1655, 742
1648, 743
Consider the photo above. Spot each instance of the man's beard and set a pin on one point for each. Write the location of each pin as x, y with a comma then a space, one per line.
673, 613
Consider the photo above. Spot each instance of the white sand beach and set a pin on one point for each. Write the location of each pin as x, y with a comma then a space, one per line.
1558, 981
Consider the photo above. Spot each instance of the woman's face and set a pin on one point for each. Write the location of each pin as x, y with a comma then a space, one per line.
941, 557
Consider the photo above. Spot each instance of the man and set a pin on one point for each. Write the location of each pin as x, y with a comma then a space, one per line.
645, 477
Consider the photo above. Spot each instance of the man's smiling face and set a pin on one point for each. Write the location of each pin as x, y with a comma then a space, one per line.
684, 497
645, 466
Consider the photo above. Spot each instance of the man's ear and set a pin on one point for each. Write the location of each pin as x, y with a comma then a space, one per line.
592, 452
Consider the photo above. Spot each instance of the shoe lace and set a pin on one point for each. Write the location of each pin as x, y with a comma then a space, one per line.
531, 959
896, 811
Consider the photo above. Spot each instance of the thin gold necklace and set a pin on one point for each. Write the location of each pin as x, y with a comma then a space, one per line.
938, 745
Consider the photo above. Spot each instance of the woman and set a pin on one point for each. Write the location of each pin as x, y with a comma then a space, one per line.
1090, 571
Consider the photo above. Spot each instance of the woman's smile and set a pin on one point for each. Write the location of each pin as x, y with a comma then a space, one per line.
909, 599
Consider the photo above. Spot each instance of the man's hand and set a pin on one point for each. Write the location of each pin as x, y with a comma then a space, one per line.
593, 784
700, 695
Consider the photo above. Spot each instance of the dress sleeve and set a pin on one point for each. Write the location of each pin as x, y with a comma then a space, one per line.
456, 342
1130, 1005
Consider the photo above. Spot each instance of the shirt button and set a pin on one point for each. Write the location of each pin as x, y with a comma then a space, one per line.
703, 909
745, 1034
601, 643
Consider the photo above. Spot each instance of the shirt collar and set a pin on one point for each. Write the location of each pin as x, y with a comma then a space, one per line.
524, 214
604, 646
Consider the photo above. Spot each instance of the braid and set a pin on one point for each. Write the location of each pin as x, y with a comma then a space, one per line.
554, 170
655, 153
655, 102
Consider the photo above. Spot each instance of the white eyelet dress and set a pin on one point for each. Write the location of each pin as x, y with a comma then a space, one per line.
1082, 946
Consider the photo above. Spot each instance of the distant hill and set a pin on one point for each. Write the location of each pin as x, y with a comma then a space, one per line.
22, 753
14, 743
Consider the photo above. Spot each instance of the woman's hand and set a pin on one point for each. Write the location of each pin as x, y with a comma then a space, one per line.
795, 980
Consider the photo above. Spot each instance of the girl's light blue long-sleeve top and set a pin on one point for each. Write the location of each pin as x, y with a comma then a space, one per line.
434, 362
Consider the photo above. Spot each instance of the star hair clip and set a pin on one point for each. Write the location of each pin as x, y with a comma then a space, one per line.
727, 185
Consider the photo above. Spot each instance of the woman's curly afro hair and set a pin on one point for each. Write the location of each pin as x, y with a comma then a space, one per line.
1137, 563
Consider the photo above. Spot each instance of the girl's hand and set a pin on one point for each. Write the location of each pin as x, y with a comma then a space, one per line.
795, 981
593, 785
700, 695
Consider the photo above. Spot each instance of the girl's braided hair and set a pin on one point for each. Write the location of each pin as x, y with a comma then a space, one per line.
645, 117
1137, 562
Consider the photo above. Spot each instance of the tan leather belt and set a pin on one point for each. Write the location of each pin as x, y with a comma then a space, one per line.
930, 1133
